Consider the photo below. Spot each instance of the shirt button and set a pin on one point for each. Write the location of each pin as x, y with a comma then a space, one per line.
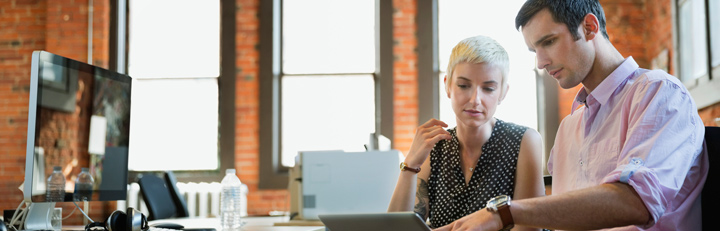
581, 163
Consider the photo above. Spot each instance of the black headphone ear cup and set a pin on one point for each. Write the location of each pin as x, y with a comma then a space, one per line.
117, 221
136, 220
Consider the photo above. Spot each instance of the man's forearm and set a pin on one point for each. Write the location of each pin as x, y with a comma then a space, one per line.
603, 206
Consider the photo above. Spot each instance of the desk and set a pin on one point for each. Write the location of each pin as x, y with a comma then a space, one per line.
251, 224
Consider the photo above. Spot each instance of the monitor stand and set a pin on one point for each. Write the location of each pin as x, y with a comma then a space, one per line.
40, 217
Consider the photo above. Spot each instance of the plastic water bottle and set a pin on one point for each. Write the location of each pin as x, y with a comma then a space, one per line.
230, 202
83, 186
56, 186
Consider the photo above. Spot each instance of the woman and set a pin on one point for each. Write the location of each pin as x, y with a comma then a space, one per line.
461, 168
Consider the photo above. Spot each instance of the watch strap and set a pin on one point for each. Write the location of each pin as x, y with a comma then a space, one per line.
506, 217
404, 167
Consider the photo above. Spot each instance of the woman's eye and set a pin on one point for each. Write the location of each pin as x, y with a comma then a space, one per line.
490, 89
463, 86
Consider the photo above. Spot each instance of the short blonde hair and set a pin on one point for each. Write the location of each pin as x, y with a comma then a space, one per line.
479, 49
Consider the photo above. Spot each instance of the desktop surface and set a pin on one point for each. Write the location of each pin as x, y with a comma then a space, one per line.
263, 223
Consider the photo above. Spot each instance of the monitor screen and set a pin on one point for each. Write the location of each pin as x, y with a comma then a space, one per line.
78, 117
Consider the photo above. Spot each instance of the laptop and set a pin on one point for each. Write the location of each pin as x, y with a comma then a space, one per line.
391, 221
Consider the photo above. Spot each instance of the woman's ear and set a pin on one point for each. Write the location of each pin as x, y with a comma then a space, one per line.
447, 89
504, 93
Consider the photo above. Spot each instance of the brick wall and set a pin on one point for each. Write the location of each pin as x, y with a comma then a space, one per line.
22, 31
247, 158
61, 28
405, 73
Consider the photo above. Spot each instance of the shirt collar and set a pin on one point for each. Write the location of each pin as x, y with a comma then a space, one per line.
608, 86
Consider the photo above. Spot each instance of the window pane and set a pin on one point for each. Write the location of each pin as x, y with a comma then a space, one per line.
715, 33
454, 20
174, 38
693, 45
174, 119
328, 36
326, 113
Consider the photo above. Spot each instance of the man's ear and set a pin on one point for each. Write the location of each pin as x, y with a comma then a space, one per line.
590, 26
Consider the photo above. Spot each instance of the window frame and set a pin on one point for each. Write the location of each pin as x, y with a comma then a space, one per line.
119, 28
703, 89
273, 175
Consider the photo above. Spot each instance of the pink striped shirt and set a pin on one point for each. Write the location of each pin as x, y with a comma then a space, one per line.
640, 127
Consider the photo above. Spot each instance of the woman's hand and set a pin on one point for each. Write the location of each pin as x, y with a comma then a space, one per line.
426, 136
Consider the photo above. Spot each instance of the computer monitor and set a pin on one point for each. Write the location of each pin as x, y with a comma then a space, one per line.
76, 112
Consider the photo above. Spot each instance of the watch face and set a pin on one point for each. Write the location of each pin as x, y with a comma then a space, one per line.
502, 199
497, 201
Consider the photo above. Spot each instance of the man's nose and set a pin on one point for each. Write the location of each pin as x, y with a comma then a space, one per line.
542, 60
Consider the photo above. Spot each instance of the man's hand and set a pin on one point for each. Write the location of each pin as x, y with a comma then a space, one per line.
477, 221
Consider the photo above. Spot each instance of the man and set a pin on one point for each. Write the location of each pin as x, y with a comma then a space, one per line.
629, 157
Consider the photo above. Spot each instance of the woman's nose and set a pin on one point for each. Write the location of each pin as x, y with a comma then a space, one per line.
476, 96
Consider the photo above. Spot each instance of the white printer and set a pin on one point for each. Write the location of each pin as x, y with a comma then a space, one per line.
337, 182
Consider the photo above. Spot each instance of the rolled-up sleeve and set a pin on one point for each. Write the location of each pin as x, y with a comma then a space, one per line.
662, 144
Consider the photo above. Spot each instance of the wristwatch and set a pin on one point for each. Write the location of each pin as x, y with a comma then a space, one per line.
501, 205
404, 167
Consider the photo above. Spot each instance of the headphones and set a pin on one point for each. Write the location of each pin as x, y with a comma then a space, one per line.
132, 220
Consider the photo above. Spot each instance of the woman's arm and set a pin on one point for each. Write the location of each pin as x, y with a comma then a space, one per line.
528, 177
412, 187
411, 191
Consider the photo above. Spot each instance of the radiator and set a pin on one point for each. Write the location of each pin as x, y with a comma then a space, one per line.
202, 199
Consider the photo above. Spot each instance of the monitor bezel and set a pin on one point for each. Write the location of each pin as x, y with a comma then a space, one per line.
37, 62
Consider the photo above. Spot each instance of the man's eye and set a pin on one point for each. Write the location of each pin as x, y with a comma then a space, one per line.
549, 42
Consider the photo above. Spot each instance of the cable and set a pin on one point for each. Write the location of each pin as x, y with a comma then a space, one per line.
15, 216
71, 212
18, 214
83, 212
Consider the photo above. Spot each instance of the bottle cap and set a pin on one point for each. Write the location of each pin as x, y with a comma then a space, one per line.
85, 170
230, 171
57, 168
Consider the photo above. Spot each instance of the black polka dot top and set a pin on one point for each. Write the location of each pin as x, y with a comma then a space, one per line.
449, 198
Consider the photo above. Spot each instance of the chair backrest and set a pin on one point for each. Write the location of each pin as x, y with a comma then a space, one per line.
709, 203
180, 205
157, 197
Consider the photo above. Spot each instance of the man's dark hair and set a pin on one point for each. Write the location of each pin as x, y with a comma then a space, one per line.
569, 12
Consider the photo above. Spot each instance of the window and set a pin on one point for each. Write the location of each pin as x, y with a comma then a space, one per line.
327, 82
714, 9
698, 44
174, 59
324, 68
458, 20
693, 43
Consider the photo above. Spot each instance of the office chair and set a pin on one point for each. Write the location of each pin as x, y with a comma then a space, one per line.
157, 197
709, 203
180, 205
